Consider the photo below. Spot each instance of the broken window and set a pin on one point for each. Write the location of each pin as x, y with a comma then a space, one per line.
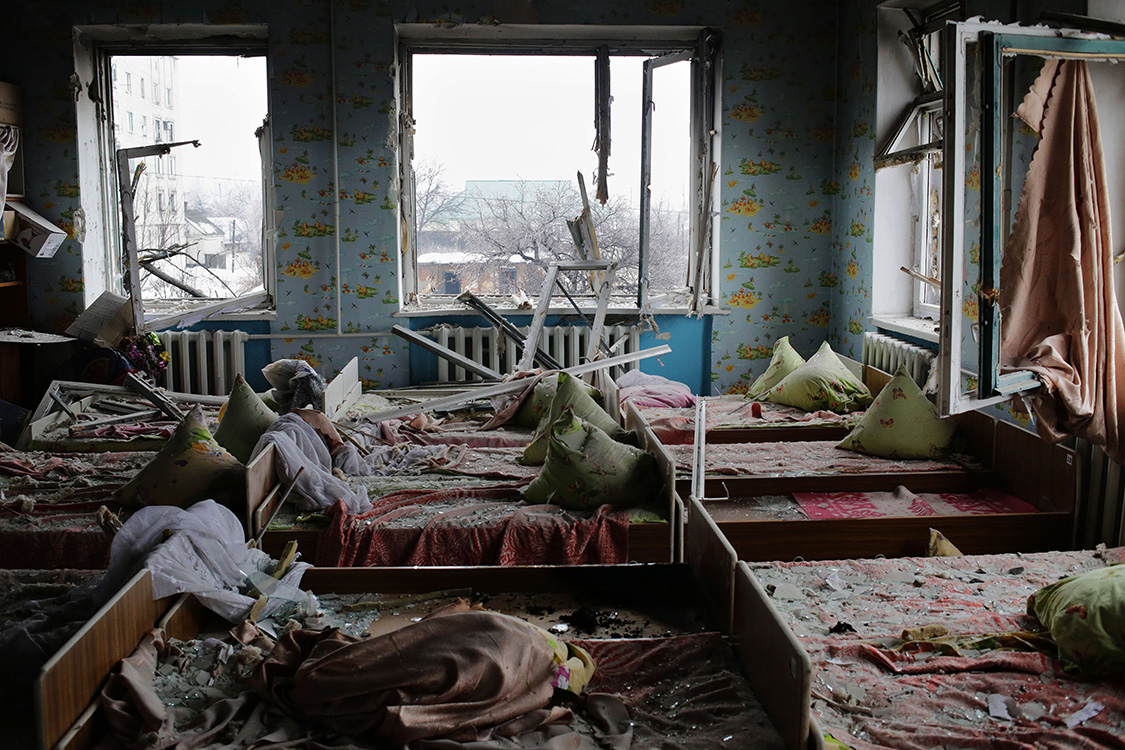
908, 163
987, 153
215, 195
494, 132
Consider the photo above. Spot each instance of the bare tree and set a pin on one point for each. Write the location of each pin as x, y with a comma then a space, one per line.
433, 197
521, 226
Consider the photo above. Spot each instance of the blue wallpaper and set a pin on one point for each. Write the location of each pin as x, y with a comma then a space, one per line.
852, 242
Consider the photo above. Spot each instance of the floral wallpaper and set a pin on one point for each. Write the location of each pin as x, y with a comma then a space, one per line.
777, 187
794, 182
852, 242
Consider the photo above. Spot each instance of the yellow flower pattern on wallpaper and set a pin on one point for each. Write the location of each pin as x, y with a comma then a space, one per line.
802, 133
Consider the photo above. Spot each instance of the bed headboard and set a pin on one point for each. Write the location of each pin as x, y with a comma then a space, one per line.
344, 389
712, 559
773, 660
66, 690
263, 492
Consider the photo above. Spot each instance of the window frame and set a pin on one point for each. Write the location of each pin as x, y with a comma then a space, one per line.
993, 41
655, 42
94, 46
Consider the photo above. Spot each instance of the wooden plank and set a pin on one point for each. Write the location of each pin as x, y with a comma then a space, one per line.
261, 483
538, 320
597, 328
1032, 469
916, 481
457, 359
343, 390
774, 661
875, 379
70, 679
713, 558
838, 539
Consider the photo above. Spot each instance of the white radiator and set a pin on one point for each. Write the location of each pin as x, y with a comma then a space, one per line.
488, 346
203, 362
887, 353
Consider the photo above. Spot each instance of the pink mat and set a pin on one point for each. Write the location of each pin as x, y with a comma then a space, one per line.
902, 502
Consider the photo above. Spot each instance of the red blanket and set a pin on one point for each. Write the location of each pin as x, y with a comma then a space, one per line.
476, 526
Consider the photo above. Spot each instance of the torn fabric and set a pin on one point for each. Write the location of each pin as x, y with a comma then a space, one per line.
1057, 302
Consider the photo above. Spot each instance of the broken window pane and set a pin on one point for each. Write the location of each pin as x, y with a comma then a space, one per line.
199, 217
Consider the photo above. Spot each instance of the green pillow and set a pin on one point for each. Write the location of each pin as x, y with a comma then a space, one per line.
785, 360
824, 382
901, 423
243, 420
190, 467
1086, 616
570, 394
586, 468
538, 403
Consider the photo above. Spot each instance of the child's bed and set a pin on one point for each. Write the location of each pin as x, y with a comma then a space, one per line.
77, 417
870, 689
788, 500
50, 513
469, 514
735, 419
657, 639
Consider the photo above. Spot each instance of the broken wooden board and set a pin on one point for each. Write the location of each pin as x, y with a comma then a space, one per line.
343, 391
512, 386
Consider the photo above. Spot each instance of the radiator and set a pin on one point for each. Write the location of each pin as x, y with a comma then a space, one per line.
489, 347
887, 353
203, 362
1101, 500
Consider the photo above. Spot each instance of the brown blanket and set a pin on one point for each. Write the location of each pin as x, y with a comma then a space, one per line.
1060, 314
463, 676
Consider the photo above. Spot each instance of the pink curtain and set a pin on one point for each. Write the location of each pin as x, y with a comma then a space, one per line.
1059, 312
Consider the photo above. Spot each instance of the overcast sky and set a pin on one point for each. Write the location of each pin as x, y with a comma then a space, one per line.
221, 102
513, 117
483, 117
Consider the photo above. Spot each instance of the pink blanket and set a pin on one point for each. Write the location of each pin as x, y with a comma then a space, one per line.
476, 526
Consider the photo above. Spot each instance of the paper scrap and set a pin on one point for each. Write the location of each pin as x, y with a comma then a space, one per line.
1084, 714
998, 707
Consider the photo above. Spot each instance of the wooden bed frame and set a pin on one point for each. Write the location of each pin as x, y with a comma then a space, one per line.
648, 542
83, 398
789, 703
68, 685
1018, 461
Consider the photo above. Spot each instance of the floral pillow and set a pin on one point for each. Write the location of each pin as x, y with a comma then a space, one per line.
586, 468
785, 360
189, 468
1086, 616
538, 402
243, 420
901, 423
570, 394
824, 382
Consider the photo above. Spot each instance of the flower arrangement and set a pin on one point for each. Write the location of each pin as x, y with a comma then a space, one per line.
146, 353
